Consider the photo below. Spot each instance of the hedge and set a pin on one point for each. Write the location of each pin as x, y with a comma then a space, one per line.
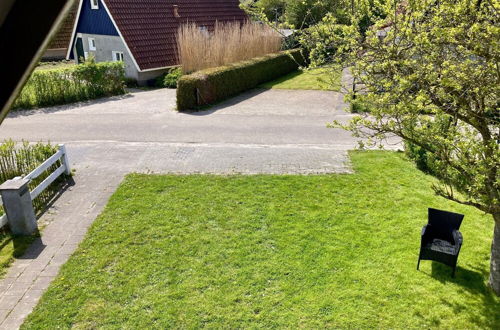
81, 82
216, 84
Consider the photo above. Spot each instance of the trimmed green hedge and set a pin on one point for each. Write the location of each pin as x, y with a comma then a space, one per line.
81, 82
216, 84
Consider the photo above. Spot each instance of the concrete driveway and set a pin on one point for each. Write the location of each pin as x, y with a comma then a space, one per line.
262, 131
273, 131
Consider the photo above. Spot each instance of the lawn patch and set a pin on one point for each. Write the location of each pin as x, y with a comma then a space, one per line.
314, 79
272, 251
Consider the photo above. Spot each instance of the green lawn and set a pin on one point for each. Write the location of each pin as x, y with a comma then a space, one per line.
319, 79
272, 251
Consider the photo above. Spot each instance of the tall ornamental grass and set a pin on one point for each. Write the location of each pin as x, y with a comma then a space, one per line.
228, 43
82, 82
19, 159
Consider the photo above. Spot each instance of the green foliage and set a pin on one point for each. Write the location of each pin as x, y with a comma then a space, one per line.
358, 104
130, 82
86, 81
432, 78
208, 86
272, 252
171, 78
420, 156
19, 159
302, 14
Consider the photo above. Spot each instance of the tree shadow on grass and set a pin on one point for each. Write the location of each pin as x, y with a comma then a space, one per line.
473, 281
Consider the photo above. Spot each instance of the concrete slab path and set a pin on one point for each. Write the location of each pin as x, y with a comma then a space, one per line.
262, 131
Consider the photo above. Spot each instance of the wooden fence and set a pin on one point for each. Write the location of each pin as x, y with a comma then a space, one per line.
62, 155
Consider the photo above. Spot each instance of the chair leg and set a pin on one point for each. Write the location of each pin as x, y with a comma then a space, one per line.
453, 273
418, 263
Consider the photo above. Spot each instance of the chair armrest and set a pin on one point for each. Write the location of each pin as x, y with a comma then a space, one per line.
426, 231
457, 237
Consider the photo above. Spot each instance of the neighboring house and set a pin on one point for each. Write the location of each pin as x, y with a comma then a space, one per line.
142, 33
58, 46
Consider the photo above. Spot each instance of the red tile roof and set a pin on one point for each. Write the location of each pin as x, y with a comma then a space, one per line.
62, 37
149, 26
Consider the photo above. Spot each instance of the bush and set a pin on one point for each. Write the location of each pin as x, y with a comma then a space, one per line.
420, 156
172, 77
216, 84
21, 159
130, 82
82, 82
359, 105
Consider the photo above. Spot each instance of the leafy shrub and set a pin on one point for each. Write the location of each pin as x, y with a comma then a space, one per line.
171, 78
77, 83
420, 156
212, 85
359, 105
130, 82
20, 159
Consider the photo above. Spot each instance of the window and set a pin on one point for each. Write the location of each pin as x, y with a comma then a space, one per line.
92, 44
94, 4
117, 56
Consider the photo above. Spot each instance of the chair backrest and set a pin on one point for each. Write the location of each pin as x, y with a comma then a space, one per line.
444, 222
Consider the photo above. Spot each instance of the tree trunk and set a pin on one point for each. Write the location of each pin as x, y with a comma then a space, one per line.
495, 257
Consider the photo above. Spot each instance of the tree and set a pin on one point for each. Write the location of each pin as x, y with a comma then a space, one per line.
431, 75
298, 14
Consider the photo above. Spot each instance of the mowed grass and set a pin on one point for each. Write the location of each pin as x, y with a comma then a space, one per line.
273, 251
314, 79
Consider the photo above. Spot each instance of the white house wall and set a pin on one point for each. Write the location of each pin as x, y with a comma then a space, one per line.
105, 46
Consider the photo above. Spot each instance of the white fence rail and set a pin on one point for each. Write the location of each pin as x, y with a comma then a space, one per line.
64, 168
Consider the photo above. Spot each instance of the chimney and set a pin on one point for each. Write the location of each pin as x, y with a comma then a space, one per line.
176, 11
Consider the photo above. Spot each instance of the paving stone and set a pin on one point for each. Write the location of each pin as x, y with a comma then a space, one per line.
5, 283
18, 289
28, 276
3, 314
8, 302
51, 270
40, 264
59, 259
11, 323
32, 296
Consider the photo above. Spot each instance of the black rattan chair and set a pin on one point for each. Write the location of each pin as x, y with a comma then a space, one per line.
441, 240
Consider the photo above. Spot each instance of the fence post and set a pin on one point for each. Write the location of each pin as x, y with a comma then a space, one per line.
18, 206
65, 161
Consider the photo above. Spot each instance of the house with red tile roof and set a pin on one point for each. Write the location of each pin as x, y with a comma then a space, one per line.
58, 46
142, 33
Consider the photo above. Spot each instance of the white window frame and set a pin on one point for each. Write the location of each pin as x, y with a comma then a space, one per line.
94, 4
92, 45
114, 53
